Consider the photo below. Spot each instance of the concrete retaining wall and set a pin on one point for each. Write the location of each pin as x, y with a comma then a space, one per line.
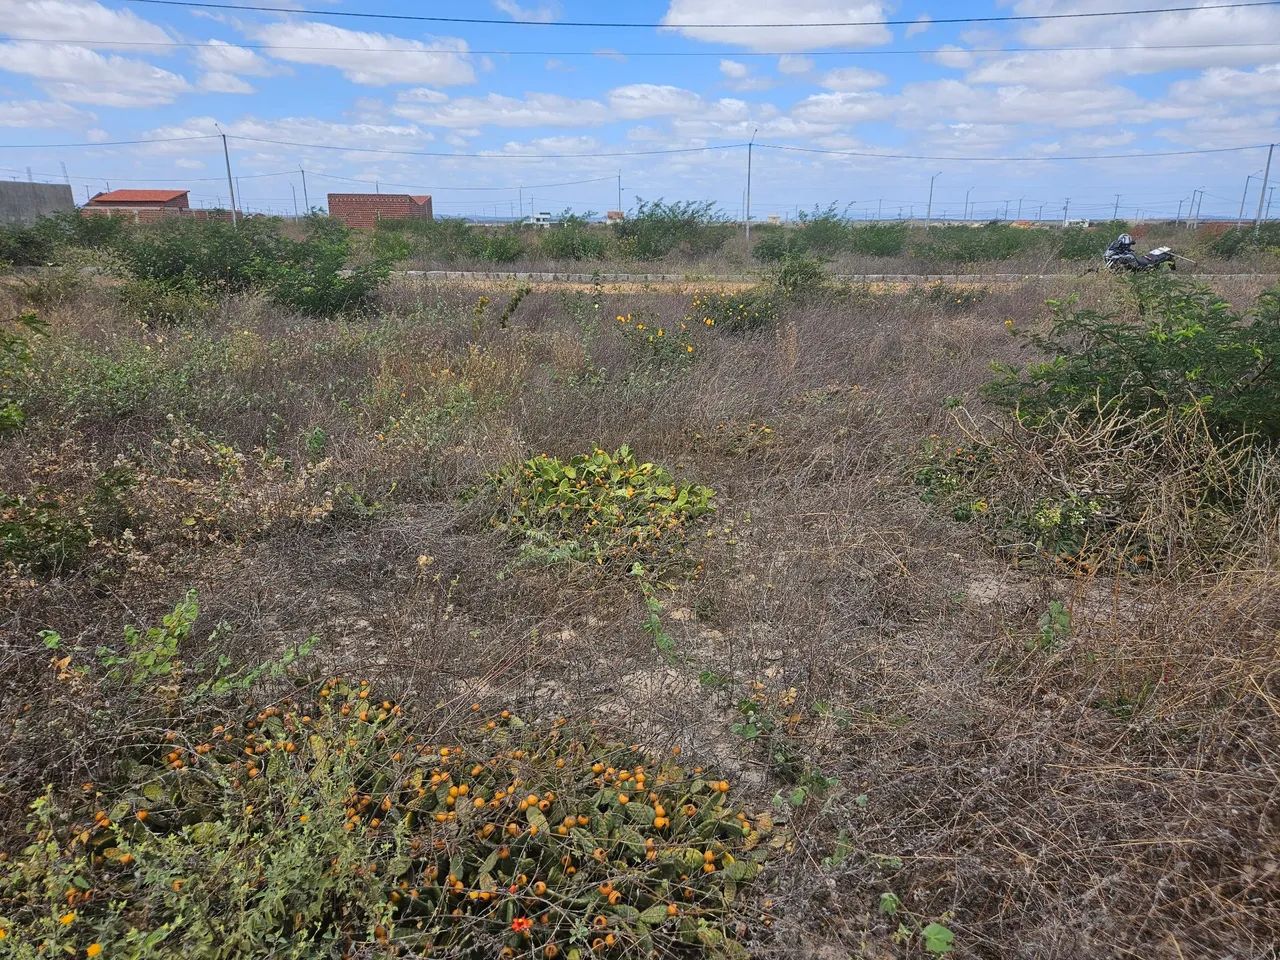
27, 202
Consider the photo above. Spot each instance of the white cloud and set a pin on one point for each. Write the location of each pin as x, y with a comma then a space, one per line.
217, 82
843, 107
794, 64
41, 113
303, 130
684, 15
542, 13
853, 79
362, 56
498, 110
738, 76
77, 20
921, 24
222, 57
81, 75
1261, 86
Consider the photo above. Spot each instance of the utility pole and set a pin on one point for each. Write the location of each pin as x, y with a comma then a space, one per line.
619, 190
928, 214
1040, 213
1006, 210
1178, 219
30, 178
377, 188
226, 155
65, 176
295, 201
1266, 179
1115, 214
1066, 205
1197, 201
1020, 199
966, 202
1271, 195
521, 196
306, 200
1243, 197
879, 208
750, 146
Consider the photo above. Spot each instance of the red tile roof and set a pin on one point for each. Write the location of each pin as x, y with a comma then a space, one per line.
139, 196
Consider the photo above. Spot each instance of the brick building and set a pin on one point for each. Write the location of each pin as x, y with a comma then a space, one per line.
364, 210
140, 205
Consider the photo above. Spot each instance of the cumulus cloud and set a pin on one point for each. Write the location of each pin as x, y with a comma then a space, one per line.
218, 82
498, 110
80, 75
222, 57
921, 24
685, 15
41, 113
363, 58
794, 64
540, 13
843, 107
733, 69
78, 20
853, 78
738, 76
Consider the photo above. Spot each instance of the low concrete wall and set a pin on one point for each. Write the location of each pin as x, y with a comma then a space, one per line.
27, 202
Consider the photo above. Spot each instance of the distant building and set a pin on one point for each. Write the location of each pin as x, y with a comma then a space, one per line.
614, 216
139, 205
25, 202
364, 210
775, 219
541, 219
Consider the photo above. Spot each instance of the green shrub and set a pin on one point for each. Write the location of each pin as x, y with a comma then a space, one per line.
16, 367
1240, 241
957, 244
164, 303
574, 238
657, 229
599, 507
497, 246
823, 232
743, 312
1182, 348
444, 240
24, 246
878, 239
952, 298
775, 244
209, 254
799, 275
313, 275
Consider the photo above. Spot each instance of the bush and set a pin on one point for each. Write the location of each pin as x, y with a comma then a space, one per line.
24, 246
823, 232
878, 239
1183, 349
445, 240
209, 254
16, 367
164, 303
574, 238
775, 244
955, 244
743, 312
601, 507
329, 825
504, 246
312, 275
657, 229
1238, 242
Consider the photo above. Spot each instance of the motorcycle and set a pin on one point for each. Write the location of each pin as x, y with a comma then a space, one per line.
1137, 263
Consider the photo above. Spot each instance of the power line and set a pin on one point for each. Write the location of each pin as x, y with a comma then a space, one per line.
914, 51
519, 186
102, 143
492, 156
1093, 156
495, 21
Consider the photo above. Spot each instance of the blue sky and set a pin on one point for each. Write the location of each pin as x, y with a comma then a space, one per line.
75, 71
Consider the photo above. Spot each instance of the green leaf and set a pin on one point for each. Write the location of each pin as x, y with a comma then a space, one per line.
654, 916
889, 904
937, 938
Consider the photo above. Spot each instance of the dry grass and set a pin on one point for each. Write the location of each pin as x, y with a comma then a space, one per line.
1113, 797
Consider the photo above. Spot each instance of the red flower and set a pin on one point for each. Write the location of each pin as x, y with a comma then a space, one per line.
521, 924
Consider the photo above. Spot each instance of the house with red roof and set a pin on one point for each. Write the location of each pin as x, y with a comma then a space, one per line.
140, 205
364, 210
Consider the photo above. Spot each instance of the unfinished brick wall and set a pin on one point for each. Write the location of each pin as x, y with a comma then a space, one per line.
364, 210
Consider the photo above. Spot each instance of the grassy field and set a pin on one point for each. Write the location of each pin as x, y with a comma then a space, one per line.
461, 621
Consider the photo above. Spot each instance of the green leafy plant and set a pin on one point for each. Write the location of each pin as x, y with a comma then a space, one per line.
601, 507
16, 366
330, 823
1053, 628
1182, 348
574, 237
656, 229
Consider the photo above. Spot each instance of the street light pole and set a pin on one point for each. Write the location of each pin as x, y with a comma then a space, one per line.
966, 202
928, 217
1266, 178
750, 146
1243, 197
